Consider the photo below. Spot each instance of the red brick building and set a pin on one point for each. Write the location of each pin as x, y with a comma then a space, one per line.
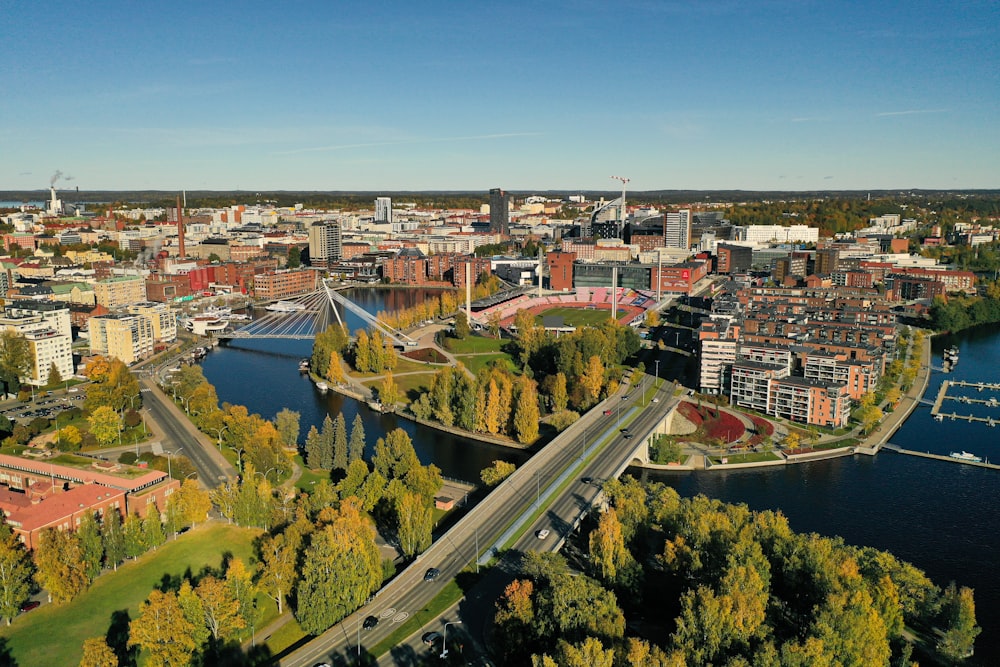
283, 284
560, 270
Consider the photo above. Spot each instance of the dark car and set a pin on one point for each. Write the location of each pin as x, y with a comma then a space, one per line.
370, 622
430, 638
30, 604
431, 574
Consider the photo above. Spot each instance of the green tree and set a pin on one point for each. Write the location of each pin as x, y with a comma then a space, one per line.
394, 455
16, 571
105, 425
55, 378
135, 545
462, 329
314, 448
16, 359
294, 257
113, 538
60, 568
91, 546
287, 423
356, 445
959, 613
340, 442
152, 529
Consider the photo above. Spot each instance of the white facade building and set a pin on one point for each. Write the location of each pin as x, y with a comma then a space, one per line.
777, 234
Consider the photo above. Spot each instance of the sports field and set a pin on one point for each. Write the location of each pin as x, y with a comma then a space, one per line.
576, 317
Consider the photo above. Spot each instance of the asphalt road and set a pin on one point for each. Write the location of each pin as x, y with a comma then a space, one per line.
486, 524
174, 431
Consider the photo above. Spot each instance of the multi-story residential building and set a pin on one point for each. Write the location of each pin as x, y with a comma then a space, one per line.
750, 384
717, 357
677, 229
383, 210
857, 377
734, 258
325, 243
499, 211
120, 291
127, 337
161, 318
47, 327
282, 284
808, 401
777, 234
775, 355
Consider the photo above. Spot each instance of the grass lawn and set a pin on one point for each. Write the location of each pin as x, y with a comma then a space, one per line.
750, 457
473, 345
309, 477
576, 317
409, 385
54, 635
475, 363
403, 365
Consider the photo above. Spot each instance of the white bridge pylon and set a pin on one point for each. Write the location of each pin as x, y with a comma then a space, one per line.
336, 297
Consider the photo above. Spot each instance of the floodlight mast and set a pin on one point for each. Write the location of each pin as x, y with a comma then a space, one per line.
621, 210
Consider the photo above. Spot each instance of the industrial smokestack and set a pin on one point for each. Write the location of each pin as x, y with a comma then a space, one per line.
180, 229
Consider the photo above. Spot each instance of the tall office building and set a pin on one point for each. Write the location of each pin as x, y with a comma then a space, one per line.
383, 209
677, 229
499, 203
325, 243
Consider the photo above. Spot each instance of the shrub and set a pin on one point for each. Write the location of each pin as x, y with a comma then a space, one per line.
563, 419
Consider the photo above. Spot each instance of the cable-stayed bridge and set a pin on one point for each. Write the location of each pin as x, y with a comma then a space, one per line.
301, 318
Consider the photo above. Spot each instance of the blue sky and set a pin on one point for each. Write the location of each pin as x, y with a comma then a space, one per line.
383, 96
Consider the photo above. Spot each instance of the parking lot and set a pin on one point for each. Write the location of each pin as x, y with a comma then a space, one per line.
47, 407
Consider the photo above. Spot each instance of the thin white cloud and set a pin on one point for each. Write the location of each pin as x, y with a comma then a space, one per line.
908, 112
406, 142
810, 119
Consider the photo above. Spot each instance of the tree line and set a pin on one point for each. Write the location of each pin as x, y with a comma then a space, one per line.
723, 585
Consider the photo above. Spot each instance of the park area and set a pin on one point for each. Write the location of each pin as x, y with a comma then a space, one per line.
54, 634
713, 426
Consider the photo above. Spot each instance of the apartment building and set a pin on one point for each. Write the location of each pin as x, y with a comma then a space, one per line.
120, 291
125, 336
283, 284
808, 401
161, 318
858, 378
717, 356
750, 383
47, 327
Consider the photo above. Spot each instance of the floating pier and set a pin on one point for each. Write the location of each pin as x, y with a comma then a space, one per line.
939, 457
980, 386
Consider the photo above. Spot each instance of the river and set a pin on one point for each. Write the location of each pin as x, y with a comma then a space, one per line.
937, 515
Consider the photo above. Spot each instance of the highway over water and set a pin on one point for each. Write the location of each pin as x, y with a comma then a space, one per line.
547, 492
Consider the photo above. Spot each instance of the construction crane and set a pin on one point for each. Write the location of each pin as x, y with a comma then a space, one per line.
621, 209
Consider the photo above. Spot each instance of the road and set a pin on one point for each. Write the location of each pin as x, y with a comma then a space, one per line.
487, 523
175, 431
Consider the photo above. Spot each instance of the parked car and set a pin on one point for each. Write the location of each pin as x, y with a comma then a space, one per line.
30, 604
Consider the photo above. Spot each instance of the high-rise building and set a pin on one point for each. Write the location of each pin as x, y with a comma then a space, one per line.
499, 213
46, 327
677, 229
127, 337
325, 243
383, 209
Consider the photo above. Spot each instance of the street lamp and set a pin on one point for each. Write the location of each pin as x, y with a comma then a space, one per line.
444, 640
169, 454
657, 372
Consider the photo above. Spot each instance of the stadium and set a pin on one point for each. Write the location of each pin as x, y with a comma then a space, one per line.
566, 311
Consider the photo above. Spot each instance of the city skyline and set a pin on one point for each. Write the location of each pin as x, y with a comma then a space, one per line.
397, 97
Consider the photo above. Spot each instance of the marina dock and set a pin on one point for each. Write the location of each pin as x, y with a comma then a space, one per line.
942, 395
940, 457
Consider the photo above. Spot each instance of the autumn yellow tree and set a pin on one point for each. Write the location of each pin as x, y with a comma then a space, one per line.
593, 379
97, 653
163, 631
526, 415
491, 410
607, 546
61, 570
388, 392
335, 373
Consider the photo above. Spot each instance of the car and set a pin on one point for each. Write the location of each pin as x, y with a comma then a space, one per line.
587, 480
30, 604
625, 397
370, 622
430, 638
627, 436
607, 413
431, 574
542, 534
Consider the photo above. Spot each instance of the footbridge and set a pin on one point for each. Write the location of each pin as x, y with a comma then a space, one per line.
304, 316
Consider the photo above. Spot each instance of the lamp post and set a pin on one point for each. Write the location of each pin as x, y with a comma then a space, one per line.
170, 454
444, 640
264, 474
657, 372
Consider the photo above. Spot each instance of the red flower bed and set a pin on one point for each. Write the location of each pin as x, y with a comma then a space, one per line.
690, 412
728, 427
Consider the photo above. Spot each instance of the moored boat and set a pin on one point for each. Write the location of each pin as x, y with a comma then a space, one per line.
966, 456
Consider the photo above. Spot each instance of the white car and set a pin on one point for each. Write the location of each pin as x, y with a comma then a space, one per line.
542, 534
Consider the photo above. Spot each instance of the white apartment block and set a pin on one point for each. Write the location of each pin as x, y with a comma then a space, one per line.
129, 338
717, 355
777, 234
677, 229
46, 327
